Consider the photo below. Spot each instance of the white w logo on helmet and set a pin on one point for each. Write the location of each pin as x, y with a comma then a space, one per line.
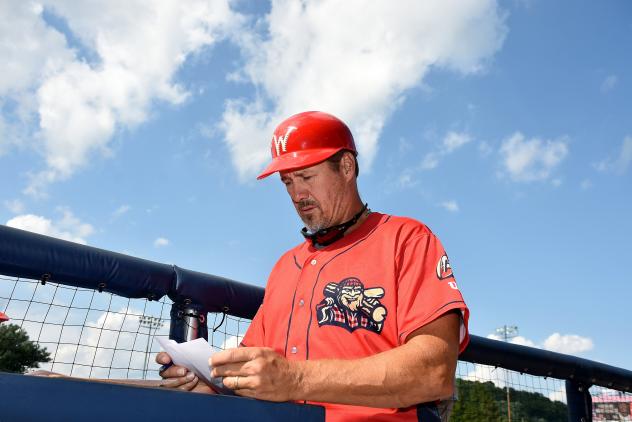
281, 141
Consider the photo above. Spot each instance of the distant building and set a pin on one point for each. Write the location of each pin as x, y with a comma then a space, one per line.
612, 407
3, 317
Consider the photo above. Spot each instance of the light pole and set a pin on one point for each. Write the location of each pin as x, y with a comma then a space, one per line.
507, 332
150, 323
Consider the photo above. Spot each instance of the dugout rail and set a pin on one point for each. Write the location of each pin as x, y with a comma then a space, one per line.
194, 295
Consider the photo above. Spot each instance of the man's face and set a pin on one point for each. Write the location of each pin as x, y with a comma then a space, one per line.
318, 194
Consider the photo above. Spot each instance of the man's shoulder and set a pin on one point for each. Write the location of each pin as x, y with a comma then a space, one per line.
405, 226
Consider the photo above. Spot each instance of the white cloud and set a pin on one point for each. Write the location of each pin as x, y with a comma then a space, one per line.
78, 104
609, 83
569, 343
450, 206
3, 135
520, 340
121, 210
621, 163
9, 136
231, 342
450, 143
454, 141
585, 184
556, 342
430, 161
558, 395
68, 227
485, 373
529, 160
28, 54
120, 330
160, 242
328, 56
406, 180
14, 205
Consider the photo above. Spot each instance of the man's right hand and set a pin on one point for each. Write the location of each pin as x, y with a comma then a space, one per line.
179, 377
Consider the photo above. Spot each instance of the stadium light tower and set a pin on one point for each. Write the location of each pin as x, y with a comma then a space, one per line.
507, 332
151, 323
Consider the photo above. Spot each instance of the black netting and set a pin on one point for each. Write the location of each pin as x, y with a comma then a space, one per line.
99, 335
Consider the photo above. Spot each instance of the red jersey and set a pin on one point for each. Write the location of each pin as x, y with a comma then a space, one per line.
359, 296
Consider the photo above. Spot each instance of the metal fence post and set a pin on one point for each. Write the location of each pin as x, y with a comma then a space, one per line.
579, 402
187, 323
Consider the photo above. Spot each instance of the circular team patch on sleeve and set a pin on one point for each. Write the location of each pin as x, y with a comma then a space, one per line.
444, 270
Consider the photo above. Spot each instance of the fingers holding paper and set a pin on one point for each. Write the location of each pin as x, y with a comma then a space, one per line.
179, 377
257, 372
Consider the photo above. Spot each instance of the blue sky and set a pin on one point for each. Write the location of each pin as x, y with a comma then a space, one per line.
505, 127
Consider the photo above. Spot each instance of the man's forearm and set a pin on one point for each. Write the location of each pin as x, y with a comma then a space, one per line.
418, 371
401, 377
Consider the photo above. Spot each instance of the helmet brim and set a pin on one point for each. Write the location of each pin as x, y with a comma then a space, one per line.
297, 160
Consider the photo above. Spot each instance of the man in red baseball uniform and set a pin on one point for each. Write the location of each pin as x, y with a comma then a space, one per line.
365, 316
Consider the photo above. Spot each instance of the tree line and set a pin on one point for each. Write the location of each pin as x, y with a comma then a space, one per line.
483, 401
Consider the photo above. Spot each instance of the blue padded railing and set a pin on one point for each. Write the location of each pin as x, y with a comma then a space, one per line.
29, 255
74, 400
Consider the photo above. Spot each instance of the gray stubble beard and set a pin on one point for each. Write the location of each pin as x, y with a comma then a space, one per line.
310, 228
308, 224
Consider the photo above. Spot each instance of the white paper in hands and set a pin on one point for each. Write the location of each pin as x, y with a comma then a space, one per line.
194, 355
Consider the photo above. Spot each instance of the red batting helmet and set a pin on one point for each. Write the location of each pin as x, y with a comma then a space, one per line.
306, 139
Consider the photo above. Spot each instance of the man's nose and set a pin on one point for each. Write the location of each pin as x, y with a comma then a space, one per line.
299, 192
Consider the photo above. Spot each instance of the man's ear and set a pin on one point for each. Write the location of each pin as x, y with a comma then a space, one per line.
348, 164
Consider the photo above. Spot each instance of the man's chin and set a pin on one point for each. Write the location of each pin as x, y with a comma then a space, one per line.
310, 221
311, 227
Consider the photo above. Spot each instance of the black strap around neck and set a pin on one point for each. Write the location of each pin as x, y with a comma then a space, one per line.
324, 237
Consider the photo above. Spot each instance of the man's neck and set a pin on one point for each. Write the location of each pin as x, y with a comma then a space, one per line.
361, 220
328, 236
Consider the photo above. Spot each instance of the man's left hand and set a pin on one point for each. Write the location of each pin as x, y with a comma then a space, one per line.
257, 372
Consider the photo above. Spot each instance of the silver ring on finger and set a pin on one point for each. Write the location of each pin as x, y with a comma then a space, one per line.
237, 383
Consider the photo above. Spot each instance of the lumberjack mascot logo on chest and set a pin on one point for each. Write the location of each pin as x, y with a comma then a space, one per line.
349, 305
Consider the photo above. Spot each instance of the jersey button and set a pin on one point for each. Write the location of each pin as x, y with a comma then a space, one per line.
294, 349
301, 302
314, 262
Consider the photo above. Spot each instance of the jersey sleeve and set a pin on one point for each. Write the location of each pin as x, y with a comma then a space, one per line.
254, 336
427, 288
